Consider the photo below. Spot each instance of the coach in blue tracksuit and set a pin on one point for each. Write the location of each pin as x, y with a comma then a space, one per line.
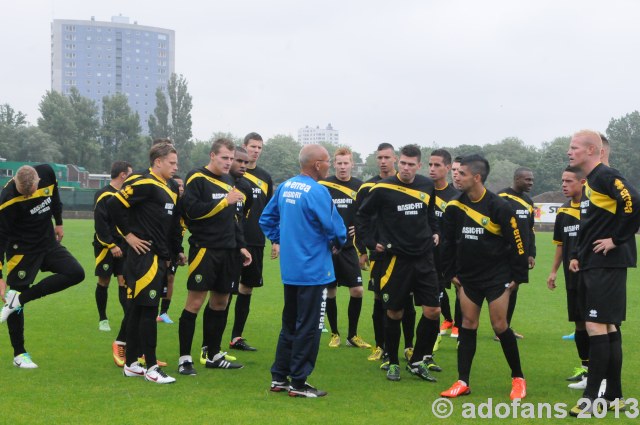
302, 219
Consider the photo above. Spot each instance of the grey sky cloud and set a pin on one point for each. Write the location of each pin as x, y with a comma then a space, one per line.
444, 72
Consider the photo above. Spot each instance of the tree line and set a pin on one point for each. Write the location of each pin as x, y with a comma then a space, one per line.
73, 129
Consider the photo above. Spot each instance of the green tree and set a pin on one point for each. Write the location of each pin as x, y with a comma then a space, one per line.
120, 126
280, 157
551, 162
58, 122
87, 127
624, 136
10, 122
10, 117
501, 174
32, 144
159, 126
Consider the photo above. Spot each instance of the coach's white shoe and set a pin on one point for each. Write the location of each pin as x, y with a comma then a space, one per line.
157, 375
580, 385
23, 361
135, 369
11, 305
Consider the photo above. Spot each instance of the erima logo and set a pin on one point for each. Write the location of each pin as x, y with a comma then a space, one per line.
105, 267
198, 278
152, 294
22, 274
593, 313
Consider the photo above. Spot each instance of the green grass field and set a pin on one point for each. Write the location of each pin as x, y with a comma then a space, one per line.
77, 381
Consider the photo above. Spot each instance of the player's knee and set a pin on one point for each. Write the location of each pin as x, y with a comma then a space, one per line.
356, 292
75, 274
499, 326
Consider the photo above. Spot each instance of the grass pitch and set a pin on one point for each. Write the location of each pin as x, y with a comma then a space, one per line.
78, 383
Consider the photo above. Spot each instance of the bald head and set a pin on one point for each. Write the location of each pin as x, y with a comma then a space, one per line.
585, 150
314, 161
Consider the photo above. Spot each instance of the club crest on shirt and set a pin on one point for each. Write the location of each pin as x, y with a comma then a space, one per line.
198, 278
385, 297
46, 191
152, 294
105, 267
485, 221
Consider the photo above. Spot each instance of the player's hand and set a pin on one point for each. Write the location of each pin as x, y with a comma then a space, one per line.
532, 262
59, 232
352, 231
116, 251
436, 240
379, 247
363, 261
3, 289
275, 250
574, 266
456, 282
140, 246
246, 257
234, 197
551, 281
603, 245
512, 285
182, 259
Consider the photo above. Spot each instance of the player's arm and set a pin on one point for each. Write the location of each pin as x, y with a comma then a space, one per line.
56, 206
433, 221
101, 222
448, 244
627, 216
322, 207
513, 235
118, 206
365, 220
557, 260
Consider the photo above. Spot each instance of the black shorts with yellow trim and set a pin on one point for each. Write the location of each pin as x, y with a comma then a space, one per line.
106, 264
602, 295
403, 275
146, 278
347, 268
252, 274
375, 273
21, 269
477, 292
213, 269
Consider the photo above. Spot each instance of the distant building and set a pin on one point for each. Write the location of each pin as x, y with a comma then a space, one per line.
104, 58
309, 135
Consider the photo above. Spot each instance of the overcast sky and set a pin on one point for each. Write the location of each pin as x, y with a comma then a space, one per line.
416, 71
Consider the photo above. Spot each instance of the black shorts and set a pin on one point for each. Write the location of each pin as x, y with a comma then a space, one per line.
213, 269
21, 269
444, 284
252, 274
146, 278
402, 275
375, 267
602, 295
573, 312
347, 268
490, 291
106, 264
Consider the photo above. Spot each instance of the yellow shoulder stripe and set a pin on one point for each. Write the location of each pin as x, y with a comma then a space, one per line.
210, 179
347, 191
253, 179
441, 203
474, 215
518, 200
575, 213
163, 186
40, 193
421, 196
104, 195
600, 200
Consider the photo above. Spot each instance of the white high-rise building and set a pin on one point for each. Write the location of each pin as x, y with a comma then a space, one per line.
310, 135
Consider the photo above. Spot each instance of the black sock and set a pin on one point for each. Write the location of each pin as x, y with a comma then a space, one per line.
445, 307
206, 318
122, 297
186, 329
409, 322
614, 371
582, 345
15, 323
122, 333
215, 329
598, 364
513, 299
355, 307
243, 303
332, 315
467, 342
457, 318
392, 339
426, 335
102, 294
511, 353
164, 305
378, 322
149, 334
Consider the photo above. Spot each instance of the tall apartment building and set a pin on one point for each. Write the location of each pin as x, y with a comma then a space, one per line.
104, 58
309, 135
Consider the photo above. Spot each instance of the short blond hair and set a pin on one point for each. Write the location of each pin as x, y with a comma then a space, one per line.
343, 151
26, 177
590, 137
